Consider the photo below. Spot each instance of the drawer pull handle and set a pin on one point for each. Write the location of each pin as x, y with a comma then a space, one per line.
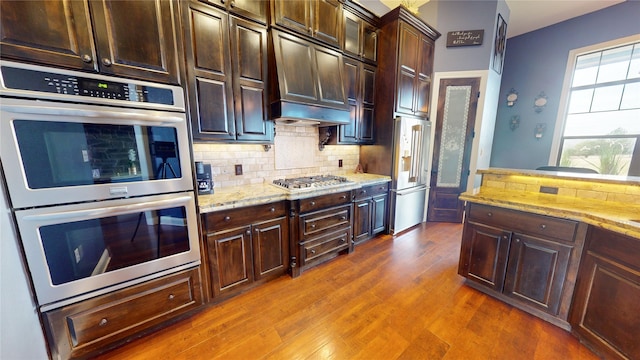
489, 214
343, 197
103, 322
171, 296
227, 218
313, 203
313, 251
343, 218
313, 226
543, 226
272, 209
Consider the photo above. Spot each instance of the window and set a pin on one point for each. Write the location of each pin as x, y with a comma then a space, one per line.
602, 117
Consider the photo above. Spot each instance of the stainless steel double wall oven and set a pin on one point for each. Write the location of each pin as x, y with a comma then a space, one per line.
98, 171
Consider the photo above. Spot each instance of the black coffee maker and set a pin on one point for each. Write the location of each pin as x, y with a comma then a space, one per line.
203, 177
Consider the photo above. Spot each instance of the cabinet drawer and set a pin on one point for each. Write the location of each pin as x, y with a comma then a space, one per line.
227, 219
321, 202
533, 224
371, 190
325, 244
325, 219
88, 326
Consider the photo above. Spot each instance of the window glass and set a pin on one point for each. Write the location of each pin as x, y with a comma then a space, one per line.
614, 64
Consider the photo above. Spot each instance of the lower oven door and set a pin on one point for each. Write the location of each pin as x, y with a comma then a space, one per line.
78, 251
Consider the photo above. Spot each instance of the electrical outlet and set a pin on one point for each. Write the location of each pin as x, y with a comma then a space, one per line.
340, 163
239, 169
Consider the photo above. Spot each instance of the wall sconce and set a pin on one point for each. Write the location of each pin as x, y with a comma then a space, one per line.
515, 122
540, 102
539, 130
512, 97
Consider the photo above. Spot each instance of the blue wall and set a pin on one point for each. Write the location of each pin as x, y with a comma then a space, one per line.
536, 62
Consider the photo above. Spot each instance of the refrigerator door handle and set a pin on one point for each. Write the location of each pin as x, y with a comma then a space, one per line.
416, 154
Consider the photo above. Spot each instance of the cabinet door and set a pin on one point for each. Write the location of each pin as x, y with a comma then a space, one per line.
362, 220
270, 248
352, 42
370, 42
253, 9
536, 271
296, 76
209, 73
249, 63
483, 255
295, 15
348, 133
365, 125
136, 39
54, 33
423, 80
327, 21
330, 78
409, 47
230, 260
378, 214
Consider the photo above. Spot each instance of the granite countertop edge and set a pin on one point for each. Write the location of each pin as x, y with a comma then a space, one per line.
616, 217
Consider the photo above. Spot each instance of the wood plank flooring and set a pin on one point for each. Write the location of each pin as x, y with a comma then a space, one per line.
392, 298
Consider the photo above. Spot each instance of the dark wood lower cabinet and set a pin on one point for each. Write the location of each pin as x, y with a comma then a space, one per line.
370, 211
527, 260
245, 247
606, 310
96, 325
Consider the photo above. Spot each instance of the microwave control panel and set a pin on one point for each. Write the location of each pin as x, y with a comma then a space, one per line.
72, 85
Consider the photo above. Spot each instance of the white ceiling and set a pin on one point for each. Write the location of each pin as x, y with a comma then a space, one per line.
526, 15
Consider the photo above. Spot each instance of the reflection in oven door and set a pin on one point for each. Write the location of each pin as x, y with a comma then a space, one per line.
88, 248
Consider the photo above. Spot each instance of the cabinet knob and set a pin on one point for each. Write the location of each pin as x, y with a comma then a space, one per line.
248, 232
313, 203
272, 209
106, 62
171, 296
343, 240
543, 226
489, 214
103, 322
222, 2
233, 3
343, 197
343, 218
364, 192
87, 58
227, 218
313, 226
313, 251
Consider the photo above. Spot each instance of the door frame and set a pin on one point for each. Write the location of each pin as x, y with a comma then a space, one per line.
486, 112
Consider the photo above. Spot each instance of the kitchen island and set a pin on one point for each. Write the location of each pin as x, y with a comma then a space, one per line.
562, 246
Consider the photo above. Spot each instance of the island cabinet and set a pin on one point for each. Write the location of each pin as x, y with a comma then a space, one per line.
606, 309
370, 211
525, 259
125, 38
245, 247
320, 229
226, 75
96, 325
319, 19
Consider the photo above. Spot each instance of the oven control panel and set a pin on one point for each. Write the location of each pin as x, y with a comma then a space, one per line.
65, 83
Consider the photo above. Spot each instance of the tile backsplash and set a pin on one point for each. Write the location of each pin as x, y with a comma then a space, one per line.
294, 153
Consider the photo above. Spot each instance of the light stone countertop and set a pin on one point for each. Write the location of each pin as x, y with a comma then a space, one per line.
256, 194
619, 213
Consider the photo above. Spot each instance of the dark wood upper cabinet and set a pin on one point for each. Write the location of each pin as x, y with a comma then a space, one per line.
132, 38
136, 38
251, 9
320, 19
360, 38
227, 75
64, 39
414, 71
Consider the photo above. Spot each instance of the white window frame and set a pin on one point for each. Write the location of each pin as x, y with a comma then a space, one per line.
566, 87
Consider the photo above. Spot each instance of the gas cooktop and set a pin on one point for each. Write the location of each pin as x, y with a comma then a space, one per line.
313, 182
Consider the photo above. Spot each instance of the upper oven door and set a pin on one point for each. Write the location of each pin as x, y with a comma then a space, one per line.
57, 153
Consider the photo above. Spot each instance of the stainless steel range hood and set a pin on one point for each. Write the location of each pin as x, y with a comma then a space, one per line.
307, 86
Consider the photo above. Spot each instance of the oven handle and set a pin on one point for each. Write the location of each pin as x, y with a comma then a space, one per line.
46, 110
112, 210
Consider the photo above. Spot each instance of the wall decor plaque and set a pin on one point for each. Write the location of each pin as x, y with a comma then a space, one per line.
464, 38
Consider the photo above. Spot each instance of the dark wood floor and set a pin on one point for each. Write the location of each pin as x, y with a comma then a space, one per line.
393, 298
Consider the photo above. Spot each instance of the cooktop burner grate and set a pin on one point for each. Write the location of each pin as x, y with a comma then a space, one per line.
316, 181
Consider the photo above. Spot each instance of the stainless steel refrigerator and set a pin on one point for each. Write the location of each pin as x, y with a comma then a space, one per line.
411, 143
